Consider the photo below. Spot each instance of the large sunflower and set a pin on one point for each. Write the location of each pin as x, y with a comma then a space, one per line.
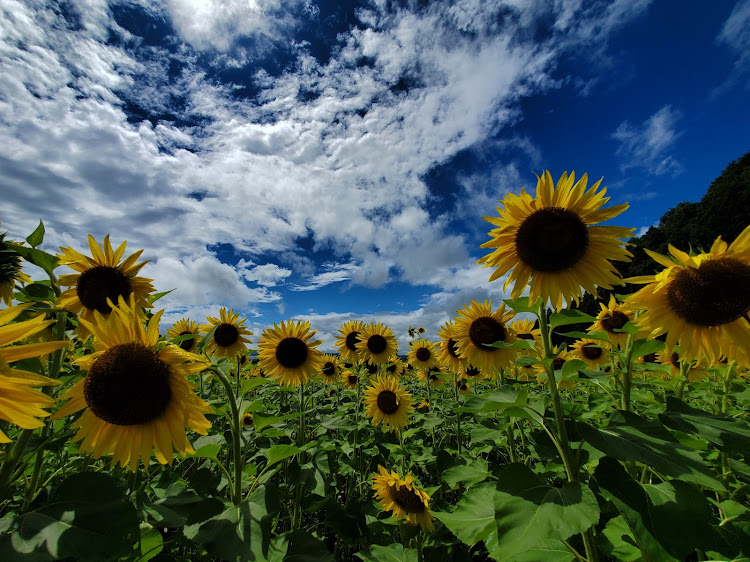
286, 353
185, 327
701, 302
613, 316
477, 327
20, 404
403, 498
135, 396
102, 278
348, 339
423, 354
10, 269
448, 349
376, 343
388, 403
549, 239
228, 339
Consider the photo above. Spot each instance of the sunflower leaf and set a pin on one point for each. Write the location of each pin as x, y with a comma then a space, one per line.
521, 304
520, 344
568, 316
156, 296
278, 453
36, 237
644, 347
599, 336
391, 553
46, 261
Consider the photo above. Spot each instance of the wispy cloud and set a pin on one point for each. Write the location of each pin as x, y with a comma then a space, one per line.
648, 145
735, 34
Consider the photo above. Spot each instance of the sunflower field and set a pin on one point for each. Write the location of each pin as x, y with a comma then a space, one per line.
628, 441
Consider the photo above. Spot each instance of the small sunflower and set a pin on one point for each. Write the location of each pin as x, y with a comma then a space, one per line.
549, 239
388, 403
331, 369
464, 387
287, 353
403, 498
394, 367
10, 269
448, 349
185, 327
377, 343
524, 330
135, 395
701, 302
348, 339
613, 316
557, 364
20, 404
424, 406
350, 379
423, 354
471, 372
247, 420
101, 279
432, 376
228, 339
477, 327
590, 351
371, 368
672, 359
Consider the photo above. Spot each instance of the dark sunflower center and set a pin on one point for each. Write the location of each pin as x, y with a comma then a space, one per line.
187, 344
371, 368
486, 330
615, 322
376, 344
423, 354
716, 293
525, 336
247, 420
329, 369
557, 363
406, 499
452, 348
352, 379
351, 341
391, 368
291, 352
552, 239
591, 351
649, 358
98, 283
675, 360
128, 385
226, 335
472, 372
387, 401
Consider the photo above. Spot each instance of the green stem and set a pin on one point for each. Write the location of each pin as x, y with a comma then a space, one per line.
627, 373
684, 372
236, 429
511, 441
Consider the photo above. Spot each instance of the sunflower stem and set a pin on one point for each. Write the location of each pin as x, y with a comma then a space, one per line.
235, 427
684, 373
13, 454
627, 372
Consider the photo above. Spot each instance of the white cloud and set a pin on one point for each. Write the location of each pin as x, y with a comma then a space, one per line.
735, 33
648, 145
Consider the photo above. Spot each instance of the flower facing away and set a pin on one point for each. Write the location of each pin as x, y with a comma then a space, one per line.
613, 316
388, 403
229, 336
549, 239
476, 328
10, 270
423, 354
701, 302
185, 327
101, 279
287, 354
448, 349
403, 498
377, 343
20, 404
331, 369
348, 339
135, 396
592, 352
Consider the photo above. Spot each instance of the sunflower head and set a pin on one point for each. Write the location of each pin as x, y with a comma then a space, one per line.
561, 356
188, 331
524, 330
350, 379
448, 349
477, 327
377, 343
423, 354
394, 367
432, 376
472, 372
10, 269
464, 387
403, 498
347, 340
229, 333
287, 353
247, 420
590, 351
388, 403
613, 317
424, 406
550, 239
331, 369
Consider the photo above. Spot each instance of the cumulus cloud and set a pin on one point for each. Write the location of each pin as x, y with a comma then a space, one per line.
648, 145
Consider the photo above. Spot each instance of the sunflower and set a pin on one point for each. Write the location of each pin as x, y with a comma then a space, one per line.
102, 278
350, 379
590, 351
471, 372
403, 498
423, 354
673, 359
701, 302
524, 330
376, 343
20, 404
287, 353
10, 269
247, 420
463, 386
561, 356
185, 327
388, 403
394, 367
433, 375
549, 239
613, 316
477, 327
348, 339
331, 369
135, 395
448, 349
228, 339
424, 406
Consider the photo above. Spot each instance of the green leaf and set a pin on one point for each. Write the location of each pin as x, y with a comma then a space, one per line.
299, 546
151, 543
210, 451
629, 437
622, 544
644, 347
628, 328
261, 422
391, 553
46, 261
500, 399
526, 345
569, 316
39, 291
521, 304
278, 453
471, 473
36, 237
546, 551
156, 296
571, 368
599, 336
473, 520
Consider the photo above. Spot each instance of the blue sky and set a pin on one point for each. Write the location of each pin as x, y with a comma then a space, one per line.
325, 161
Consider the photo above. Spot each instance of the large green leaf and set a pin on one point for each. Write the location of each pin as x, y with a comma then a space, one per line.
471, 473
299, 546
46, 261
569, 316
727, 433
629, 437
522, 304
391, 553
503, 397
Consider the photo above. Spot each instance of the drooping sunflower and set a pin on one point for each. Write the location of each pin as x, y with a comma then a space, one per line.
286, 352
348, 339
388, 403
403, 498
20, 404
10, 269
228, 339
613, 316
701, 302
102, 278
331, 369
185, 327
590, 351
350, 379
477, 327
550, 240
377, 343
423, 354
448, 349
135, 396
